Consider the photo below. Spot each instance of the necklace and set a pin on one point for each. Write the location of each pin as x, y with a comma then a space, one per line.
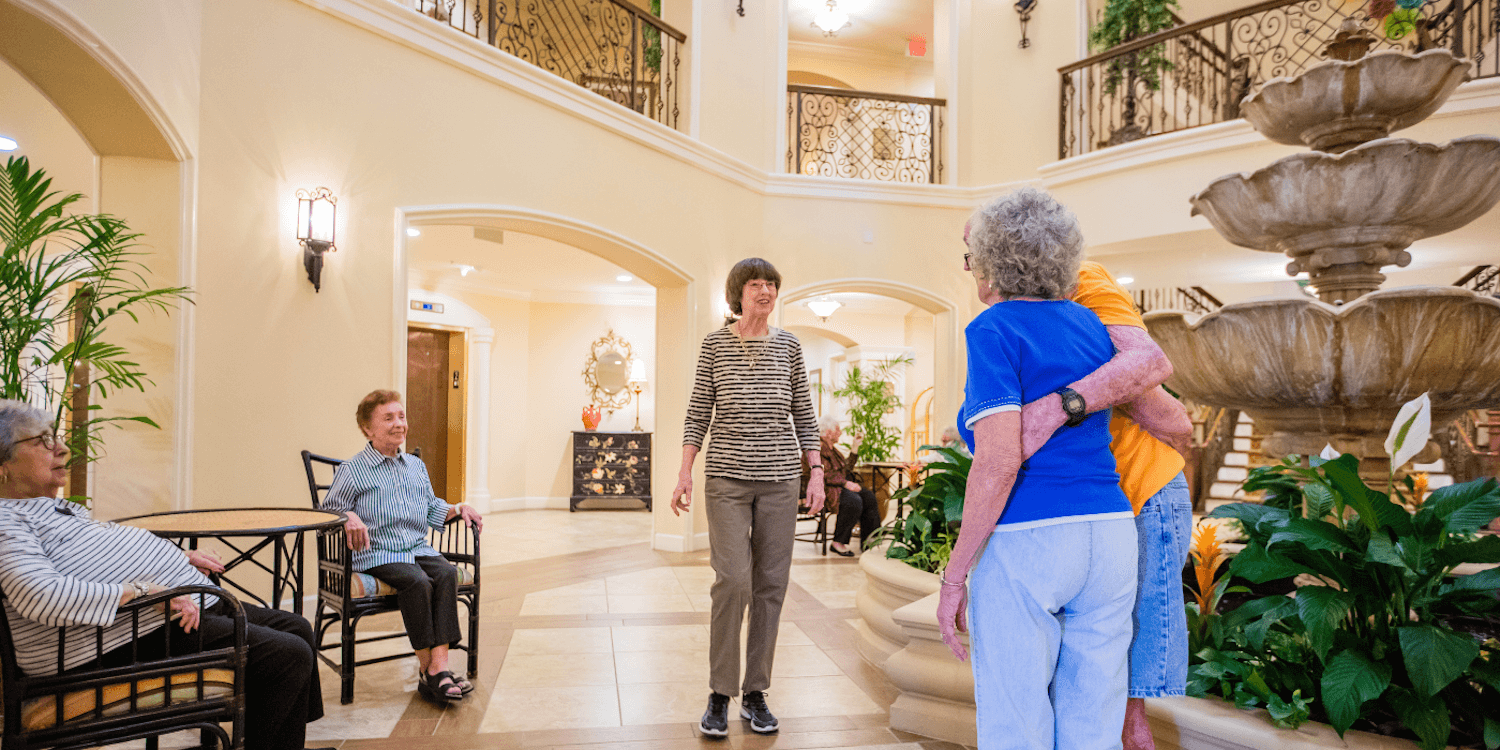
745, 347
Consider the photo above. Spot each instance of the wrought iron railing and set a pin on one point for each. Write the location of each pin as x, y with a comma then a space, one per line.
1192, 299
1208, 66
835, 132
609, 47
1482, 279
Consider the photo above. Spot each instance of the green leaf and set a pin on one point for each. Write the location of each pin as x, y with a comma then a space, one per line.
1250, 515
1313, 535
1484, 580
1258, 565
1435, 657
1485, 550
1350, 679
1382, 550
1319, 500
1322, 610
1464, 508
1426, 716
1491, 733
1288, 714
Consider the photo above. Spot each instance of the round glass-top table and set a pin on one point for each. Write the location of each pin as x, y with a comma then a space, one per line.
266, 527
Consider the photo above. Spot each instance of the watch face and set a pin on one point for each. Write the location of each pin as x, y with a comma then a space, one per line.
1072, 403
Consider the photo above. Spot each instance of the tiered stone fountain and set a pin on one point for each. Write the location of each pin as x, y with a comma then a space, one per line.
1336, 370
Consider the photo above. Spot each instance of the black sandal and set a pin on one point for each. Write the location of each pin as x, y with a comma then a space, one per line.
463, 683
431, 687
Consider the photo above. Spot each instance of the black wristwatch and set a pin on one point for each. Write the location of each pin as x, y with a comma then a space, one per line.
1073, 404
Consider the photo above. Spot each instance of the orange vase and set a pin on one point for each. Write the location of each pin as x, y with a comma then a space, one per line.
590, 418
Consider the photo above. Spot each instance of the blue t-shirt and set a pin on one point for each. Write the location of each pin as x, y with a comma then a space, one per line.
1020, 351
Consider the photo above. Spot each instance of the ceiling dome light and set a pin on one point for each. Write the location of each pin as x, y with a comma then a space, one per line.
823, 307
464, 270
831, 20
624, 277
413, 232
8, 144
1126, 280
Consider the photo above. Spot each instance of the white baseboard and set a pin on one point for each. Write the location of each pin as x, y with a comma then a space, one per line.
680, 542
480, 500
498, 504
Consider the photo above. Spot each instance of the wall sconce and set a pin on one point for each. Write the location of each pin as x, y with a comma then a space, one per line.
637, 382
741, 10
316, 211
824, 307
1024, 7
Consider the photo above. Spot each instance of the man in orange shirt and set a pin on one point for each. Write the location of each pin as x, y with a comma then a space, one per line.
1150, 430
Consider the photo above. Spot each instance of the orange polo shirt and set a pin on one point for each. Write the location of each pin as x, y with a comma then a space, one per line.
1145, 463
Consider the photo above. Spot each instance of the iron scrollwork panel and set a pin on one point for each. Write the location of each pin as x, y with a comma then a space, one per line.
863, 137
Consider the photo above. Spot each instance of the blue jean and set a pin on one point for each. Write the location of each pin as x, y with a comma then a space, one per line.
1049, 623
1159, 653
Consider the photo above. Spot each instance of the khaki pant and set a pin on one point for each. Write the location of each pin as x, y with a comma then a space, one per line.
750, 534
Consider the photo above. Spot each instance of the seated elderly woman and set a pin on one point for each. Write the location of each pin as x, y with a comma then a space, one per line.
951, 439
58, 567
856, 504
389, 501
1050, 599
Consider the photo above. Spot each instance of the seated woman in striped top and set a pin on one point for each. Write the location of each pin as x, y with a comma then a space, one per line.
390, 504
61, 569
751, 387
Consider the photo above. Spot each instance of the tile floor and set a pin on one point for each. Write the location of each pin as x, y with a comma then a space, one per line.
592, 640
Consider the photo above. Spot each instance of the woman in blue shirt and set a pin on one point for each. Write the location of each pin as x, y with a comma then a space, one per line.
1049, 600
389, 501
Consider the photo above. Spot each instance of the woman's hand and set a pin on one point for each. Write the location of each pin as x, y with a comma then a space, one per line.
180, 608
205, 561
682, 496
953, 603
471, 517
855, 441
815, 491
356, 533
852, 486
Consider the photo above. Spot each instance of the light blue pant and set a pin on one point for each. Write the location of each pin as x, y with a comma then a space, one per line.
1159, 653
1049, 617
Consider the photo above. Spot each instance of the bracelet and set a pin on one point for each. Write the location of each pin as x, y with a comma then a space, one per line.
947, 582
819, 467
141, 588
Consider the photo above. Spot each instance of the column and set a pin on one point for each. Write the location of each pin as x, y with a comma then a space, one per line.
480, 342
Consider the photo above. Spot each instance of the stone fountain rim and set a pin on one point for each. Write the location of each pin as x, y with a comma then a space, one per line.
1335, 311
1362, 151
1280, 81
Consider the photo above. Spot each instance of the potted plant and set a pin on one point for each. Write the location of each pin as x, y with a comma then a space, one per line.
1383, 637
1124, 21
64, 278
870, 398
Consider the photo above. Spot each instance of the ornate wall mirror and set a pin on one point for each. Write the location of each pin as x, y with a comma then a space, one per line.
606, 372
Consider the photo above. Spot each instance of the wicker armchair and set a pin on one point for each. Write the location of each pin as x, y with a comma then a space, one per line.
99, 706
345, 596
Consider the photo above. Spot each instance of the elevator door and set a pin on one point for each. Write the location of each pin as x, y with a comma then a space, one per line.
435, 406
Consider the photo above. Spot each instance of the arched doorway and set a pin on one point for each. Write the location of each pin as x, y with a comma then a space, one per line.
669, 365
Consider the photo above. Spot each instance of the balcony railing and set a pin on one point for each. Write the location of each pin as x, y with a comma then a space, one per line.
1196, 74
609, 47
835, 132
1191, 299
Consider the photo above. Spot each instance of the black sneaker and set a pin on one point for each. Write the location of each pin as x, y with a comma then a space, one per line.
753, 707
715, 721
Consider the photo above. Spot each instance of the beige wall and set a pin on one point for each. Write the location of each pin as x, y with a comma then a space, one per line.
46, 138
864, 70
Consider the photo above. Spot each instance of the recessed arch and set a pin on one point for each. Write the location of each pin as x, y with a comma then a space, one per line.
834, 336
894, 289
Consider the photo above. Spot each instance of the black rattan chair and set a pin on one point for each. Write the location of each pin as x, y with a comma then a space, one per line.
90, 707
343, 601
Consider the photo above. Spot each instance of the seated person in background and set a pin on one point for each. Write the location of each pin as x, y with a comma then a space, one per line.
952, 440
856, 504
389, 501
58, 567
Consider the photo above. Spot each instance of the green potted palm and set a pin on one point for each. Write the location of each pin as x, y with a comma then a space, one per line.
1124, 21
1385, 635
64, 278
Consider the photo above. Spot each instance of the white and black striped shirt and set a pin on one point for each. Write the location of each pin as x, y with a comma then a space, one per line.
393, 496
60, 568
750, 393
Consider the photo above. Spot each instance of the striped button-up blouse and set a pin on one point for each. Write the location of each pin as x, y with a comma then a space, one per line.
60, 568
393, 496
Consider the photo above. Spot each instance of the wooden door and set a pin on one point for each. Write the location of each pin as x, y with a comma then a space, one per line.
435, 406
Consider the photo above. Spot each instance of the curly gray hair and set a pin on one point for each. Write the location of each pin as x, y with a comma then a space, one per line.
828, 423
1026, 244
18, 421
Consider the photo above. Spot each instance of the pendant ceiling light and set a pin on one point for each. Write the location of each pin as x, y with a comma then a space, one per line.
823, 307
831, 20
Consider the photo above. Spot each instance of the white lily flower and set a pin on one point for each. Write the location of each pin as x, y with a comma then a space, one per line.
1410, 431
1329, 453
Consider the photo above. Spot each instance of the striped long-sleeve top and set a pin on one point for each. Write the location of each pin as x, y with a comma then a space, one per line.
752, 394
393, 496
58, 567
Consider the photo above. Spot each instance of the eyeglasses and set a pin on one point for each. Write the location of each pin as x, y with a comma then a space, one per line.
49, 440
967, 256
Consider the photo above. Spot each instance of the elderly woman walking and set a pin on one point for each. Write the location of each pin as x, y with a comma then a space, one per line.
1048, 545
751, 391
389, 501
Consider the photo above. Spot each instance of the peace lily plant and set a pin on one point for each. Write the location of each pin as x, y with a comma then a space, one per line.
1388, 640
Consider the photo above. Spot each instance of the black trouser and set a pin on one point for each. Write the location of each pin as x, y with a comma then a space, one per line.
855, 507
282, 689
428, 596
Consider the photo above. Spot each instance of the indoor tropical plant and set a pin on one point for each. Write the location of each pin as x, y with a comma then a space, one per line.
1124, 21
1387, 640
870, 398
922, 535
64, 277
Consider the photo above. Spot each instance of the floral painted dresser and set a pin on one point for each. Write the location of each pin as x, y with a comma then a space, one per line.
611, 464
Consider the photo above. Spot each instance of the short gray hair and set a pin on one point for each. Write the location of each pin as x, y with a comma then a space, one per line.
18, 421
1026, 244
828, 422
